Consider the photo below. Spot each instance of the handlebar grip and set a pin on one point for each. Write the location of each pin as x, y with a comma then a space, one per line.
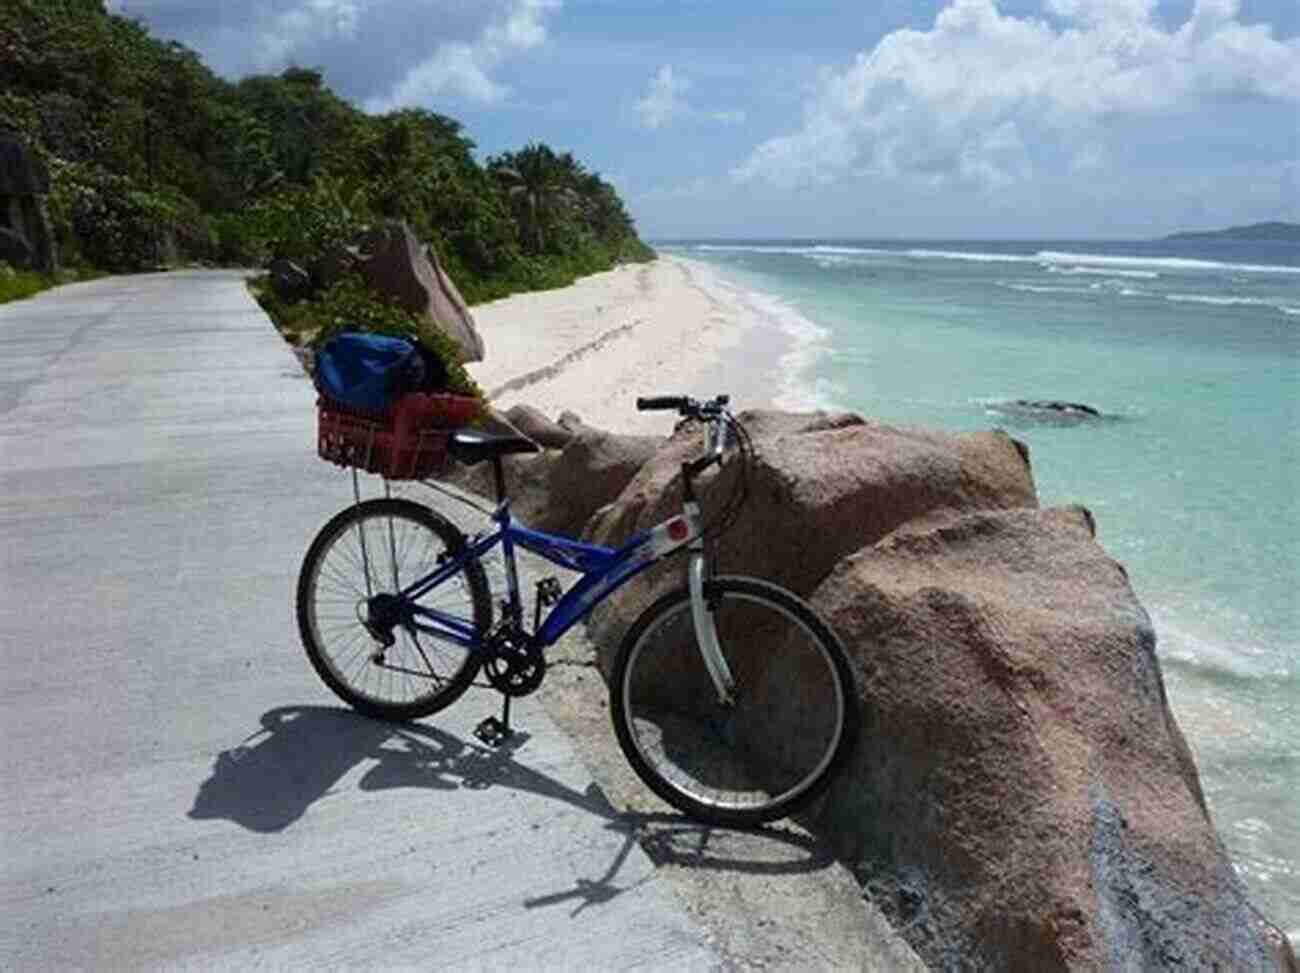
658, 402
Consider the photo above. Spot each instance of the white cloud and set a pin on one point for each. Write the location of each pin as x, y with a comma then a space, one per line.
664, 98
464, 68
452, 68
981, 98
665, 102
383, 53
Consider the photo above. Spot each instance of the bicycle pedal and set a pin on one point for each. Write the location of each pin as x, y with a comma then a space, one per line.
493, 732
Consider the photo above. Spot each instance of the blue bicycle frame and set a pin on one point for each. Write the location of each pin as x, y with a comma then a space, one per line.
603, 570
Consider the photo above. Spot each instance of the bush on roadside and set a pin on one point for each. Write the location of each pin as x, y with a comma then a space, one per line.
106, 220
350, 306
17, 284
302, 225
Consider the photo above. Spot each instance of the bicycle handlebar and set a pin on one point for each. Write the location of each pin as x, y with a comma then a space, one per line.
683, 405
722, 430
658, 402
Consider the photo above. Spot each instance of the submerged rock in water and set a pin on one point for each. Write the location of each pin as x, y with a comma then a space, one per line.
1049, 412
1063, 408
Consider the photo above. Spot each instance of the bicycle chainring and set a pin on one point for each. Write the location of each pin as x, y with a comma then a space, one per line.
514, 666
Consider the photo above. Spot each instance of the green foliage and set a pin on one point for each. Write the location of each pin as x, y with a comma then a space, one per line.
559, 206
107, 221
349, 305
301, 225
146, 146
17, 284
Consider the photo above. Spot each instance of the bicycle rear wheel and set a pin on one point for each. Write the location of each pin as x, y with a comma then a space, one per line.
371, 551
792, 725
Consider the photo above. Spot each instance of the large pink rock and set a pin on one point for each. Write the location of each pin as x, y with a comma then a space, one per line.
1022, 797
395, 264
821, 487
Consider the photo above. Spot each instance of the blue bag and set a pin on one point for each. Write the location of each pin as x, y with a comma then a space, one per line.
369, 372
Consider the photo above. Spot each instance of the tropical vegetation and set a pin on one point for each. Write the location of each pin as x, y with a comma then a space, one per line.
154, 160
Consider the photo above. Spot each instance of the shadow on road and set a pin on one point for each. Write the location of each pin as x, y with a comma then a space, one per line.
268, 781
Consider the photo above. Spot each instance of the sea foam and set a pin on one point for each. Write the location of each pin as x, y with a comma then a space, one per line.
1227, 301
1169, 263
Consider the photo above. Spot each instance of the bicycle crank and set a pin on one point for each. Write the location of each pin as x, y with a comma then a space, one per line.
514, 666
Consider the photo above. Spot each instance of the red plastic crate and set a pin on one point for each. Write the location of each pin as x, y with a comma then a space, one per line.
407, 443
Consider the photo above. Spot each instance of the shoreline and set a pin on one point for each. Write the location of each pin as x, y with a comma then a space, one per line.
676, 327
673, 326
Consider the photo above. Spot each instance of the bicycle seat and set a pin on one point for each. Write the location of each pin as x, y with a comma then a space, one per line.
472, 446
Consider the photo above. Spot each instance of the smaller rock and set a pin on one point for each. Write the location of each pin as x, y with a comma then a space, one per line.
395, 265
327, 269
534, 424
289, 281
500, 423
571, 421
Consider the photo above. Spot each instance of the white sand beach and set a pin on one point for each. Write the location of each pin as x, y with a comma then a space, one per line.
663, 328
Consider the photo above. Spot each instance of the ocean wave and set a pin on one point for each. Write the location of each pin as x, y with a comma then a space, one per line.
745, 249
833, 260
1272, 303
821, 394
853, 251
809, 342
1122, 289
1107, 271
824, 255
1057, 261
1168, 263
1220, 660
973, 256
1045, 288
1109, 286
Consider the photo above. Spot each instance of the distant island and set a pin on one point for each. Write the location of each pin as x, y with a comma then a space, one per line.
1286, 232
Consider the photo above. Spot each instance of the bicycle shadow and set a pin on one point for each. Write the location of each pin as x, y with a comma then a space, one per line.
300, 753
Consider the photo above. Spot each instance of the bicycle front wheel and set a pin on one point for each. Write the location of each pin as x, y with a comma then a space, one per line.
792, 724
356, 565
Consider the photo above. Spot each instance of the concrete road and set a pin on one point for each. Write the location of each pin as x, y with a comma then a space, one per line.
179, 790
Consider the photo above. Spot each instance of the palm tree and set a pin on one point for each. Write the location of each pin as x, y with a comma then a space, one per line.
538, 180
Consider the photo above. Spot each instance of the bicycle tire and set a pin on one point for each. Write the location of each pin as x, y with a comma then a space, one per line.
418, 674
794, 723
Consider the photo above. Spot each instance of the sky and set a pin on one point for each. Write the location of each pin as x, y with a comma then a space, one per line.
808, 118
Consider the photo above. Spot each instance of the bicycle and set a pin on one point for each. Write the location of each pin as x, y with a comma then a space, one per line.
730, 698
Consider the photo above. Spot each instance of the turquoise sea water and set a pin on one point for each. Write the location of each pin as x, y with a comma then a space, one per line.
1190, 351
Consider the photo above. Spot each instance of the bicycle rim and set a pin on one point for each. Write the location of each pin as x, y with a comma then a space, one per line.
790, 726
373, 550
